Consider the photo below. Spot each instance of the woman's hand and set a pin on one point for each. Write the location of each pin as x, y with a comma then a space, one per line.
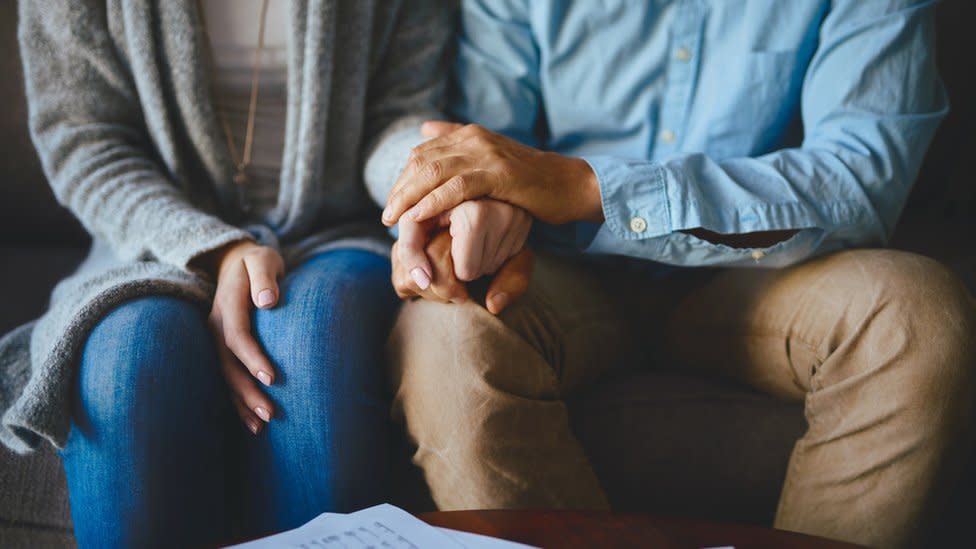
443, 286
246, 274
486, 233
468, 162
509, 283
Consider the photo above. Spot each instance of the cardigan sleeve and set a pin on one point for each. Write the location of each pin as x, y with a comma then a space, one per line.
406, 88
89, 129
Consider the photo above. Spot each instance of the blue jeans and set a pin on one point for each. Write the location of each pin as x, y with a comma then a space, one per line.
156, 455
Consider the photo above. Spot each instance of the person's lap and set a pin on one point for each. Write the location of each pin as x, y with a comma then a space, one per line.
156, 453
877, 342
879, 346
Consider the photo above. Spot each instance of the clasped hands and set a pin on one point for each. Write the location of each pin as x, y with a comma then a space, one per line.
465, 204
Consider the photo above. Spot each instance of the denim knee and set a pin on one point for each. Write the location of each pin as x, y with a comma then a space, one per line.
145, 360
325, 339
335, 308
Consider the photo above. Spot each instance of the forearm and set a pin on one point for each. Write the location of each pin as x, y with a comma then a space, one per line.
388, 156
406, 89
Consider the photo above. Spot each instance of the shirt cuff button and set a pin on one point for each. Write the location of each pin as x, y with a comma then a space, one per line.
638, 225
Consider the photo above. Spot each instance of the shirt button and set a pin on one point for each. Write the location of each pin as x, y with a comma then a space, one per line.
758, 254
683, 54
638, 225
668, 136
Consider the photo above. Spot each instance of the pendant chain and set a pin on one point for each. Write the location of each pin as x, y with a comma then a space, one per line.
242, 161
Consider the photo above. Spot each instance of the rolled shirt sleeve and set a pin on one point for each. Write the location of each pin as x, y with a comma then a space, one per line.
871, 103
860, 77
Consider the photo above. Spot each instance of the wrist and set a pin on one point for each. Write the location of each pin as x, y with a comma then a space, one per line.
213, 262
587, 184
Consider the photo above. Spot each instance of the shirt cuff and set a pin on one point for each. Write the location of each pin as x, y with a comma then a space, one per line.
634, 197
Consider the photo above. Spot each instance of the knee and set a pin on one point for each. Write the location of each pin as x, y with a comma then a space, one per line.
326, 335
333, 297
450, 361
917, 307
144, 351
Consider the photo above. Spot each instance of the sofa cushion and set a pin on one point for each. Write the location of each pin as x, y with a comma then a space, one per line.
34, 502
34, 494
35, 538
28, 211
27, 277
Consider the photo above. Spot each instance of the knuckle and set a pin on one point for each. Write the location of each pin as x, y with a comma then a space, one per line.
500, 162
416, 159
399, 284
458, 184
394, 195
406, 255
433, 170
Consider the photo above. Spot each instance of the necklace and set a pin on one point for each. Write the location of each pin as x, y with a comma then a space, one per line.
242, 161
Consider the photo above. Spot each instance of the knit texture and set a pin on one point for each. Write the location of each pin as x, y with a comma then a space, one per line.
121, 115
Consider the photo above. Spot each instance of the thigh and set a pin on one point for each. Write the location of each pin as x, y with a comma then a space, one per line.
574, 318
146, 448
139, 356
326, 448
794, 330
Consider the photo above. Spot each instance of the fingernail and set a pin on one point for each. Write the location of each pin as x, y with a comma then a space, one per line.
265, 298
499, 301
414, 214
420, 277
262, 413
253, 426
387, 215
264, 377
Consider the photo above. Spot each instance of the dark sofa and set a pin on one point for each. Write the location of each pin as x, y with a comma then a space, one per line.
660, 442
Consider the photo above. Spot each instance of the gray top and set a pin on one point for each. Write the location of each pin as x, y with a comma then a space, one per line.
121, 114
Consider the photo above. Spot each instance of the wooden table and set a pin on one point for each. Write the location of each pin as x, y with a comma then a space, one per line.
568, 529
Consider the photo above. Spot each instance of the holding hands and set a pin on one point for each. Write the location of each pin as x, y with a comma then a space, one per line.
469, 162
473, 238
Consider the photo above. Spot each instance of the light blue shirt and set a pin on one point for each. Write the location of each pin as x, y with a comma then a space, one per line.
735, 116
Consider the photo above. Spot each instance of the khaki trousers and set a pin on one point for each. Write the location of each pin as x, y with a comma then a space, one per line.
879, 345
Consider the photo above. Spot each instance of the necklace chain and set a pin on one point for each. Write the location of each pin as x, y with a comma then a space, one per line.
243, 160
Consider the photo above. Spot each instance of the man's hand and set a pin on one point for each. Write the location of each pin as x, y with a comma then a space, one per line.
247, 275
470, 162
509, 283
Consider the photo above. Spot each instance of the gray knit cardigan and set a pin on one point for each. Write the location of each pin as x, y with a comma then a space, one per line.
121, 115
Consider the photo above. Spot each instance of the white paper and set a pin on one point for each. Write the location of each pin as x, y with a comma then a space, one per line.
380, 527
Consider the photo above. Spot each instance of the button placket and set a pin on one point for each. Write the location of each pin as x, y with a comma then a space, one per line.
682, 66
